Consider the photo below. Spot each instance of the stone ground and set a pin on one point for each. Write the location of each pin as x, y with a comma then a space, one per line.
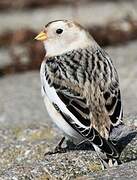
26, 131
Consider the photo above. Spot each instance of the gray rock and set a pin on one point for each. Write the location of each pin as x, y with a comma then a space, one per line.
123, 172
21, 100
5, 58
22, 156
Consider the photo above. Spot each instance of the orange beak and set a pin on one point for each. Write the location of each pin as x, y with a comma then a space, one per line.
42, 36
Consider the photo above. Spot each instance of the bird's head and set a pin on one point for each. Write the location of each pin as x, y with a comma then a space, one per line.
62, 36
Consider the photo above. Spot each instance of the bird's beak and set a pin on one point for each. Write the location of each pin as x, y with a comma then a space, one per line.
42, 36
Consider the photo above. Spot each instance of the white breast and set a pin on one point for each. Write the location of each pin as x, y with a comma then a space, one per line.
58, 119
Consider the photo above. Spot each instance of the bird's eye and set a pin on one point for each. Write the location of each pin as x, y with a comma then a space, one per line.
59, 31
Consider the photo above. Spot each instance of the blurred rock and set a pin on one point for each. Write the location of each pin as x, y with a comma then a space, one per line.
115, 32
23, 48
6, 4
5, 58
18, 37
88, 14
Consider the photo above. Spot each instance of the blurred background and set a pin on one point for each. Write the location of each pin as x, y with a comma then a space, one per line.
26, 130
113, 23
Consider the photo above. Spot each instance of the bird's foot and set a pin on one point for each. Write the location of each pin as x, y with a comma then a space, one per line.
58, 148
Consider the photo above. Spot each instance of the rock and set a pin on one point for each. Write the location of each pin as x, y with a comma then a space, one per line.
5, 58
125, 171
111, 33
22, 152
19, 54
37, 18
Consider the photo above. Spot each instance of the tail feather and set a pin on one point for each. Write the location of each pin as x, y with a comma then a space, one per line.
91, 135
106, 146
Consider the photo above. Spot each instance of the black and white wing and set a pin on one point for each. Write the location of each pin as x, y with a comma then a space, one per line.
113, 105
82, 124
74, 109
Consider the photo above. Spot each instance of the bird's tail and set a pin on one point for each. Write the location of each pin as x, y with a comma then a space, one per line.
105, 149
109, 150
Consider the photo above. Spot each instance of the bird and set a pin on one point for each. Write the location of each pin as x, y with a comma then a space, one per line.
80, 87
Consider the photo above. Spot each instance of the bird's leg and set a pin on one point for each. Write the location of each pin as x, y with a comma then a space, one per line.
58, 148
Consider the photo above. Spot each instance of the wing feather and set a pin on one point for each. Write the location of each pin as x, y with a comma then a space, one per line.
113, 105
76, 105
91, 135
87, 131
112, 95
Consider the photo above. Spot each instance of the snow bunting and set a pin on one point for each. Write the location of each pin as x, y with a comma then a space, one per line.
80, 87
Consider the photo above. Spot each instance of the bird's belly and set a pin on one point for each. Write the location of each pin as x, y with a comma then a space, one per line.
59, 120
